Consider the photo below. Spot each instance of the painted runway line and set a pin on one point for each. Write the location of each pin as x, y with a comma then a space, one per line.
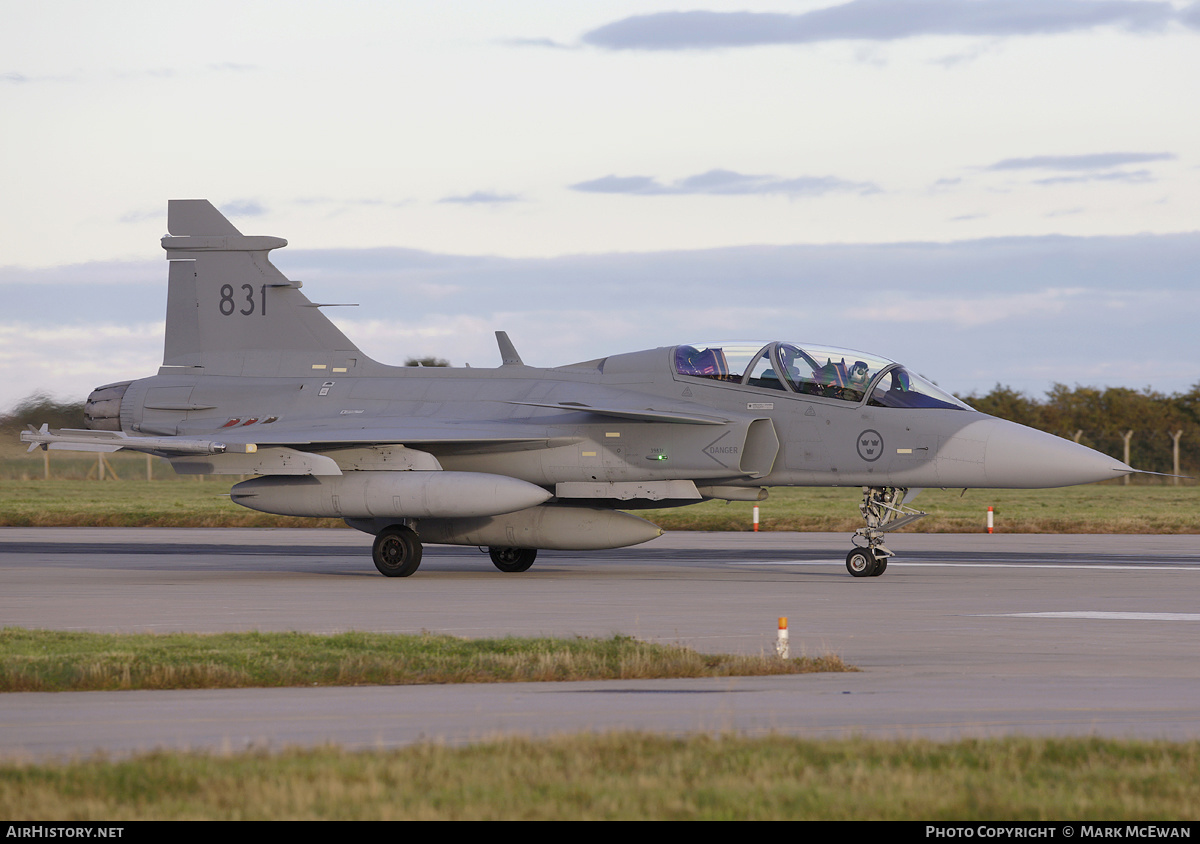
1120, 616
978, 564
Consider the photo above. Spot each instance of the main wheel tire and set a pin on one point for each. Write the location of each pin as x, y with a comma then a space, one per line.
397, 551
512, 559
861, 562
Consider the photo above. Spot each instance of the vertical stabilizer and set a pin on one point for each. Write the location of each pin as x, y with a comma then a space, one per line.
197, 216
231, 312
508, 352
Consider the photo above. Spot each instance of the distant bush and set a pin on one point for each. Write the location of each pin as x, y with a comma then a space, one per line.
38, 408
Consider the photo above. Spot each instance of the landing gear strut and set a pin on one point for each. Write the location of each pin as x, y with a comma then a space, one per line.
884, 510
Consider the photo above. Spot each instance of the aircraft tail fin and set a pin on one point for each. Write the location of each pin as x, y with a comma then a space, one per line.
508, 352
231, 312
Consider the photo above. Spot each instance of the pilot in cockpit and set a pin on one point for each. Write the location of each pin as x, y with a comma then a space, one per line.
857, 378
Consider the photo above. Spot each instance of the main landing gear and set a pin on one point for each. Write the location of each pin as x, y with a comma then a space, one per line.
884, 510
512, 559
397, 551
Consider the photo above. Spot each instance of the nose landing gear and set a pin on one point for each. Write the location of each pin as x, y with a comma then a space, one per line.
884, 510
866, 562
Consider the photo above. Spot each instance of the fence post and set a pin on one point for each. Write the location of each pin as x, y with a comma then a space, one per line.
1175, 435
1127, 436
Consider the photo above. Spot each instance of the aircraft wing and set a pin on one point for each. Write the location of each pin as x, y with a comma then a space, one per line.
284, 451
460, 441
302, 446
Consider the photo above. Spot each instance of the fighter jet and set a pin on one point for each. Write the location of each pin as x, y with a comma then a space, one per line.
256, 380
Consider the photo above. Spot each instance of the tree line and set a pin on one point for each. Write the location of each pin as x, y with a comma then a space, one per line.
1100, 419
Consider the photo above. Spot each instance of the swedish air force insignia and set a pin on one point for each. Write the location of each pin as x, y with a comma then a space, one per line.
870, 445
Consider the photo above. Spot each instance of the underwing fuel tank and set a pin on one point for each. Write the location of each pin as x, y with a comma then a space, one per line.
410, 494
548, 526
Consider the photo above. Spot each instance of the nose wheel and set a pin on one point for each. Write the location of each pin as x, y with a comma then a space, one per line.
863, 562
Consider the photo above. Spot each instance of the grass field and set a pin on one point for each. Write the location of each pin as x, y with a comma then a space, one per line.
631, 776
53, 661
1095, 508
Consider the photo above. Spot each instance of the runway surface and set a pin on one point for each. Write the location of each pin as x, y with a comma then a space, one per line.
964, 635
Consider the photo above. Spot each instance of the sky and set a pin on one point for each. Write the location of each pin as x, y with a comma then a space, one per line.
990, 191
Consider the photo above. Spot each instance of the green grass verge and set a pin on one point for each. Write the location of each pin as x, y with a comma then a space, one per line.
134, 503
1094, 508
52, 661
188, 502
631, 776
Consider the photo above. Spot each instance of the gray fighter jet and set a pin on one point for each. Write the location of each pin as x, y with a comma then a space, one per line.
256, 380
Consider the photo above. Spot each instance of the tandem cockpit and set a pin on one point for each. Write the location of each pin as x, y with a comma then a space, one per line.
823, 371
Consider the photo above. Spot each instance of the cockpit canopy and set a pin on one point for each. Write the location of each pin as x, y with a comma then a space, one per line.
832, 373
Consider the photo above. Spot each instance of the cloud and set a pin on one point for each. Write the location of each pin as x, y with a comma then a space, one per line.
243, 208
142, 215
482, 197
69, 361
881, 20
16, 78
1092, 161
1090, 167
13, 77
975, 310
621, 184
1130, 176
536, 42
1191, 16
725, 183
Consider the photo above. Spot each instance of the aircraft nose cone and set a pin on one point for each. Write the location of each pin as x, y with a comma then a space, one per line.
1018, 457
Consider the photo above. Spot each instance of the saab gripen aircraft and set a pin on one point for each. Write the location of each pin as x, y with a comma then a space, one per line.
256, 380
